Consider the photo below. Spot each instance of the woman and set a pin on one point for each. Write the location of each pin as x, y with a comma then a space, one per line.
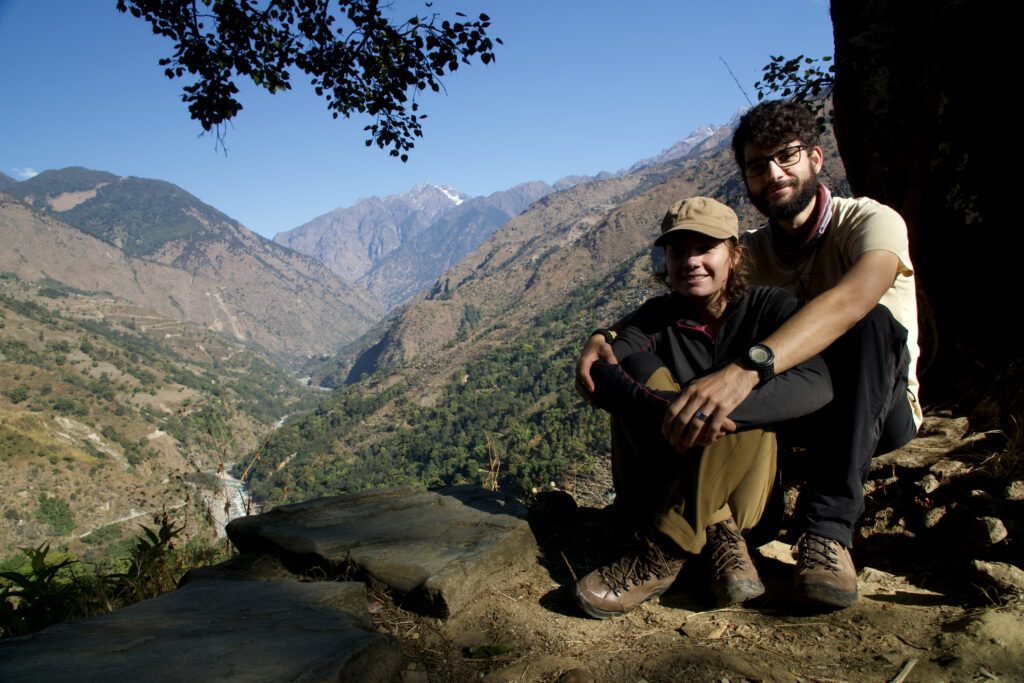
700, 500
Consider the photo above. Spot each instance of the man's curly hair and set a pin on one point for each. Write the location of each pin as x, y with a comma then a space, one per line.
773, 123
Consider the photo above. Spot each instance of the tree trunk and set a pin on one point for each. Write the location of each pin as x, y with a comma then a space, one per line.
909, 118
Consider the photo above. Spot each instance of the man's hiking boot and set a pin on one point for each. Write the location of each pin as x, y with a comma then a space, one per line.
825, 574
613, 590
734, 578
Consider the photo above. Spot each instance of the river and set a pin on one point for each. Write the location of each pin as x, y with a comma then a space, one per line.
231, 501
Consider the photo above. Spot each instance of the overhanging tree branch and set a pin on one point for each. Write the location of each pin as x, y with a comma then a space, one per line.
783, 77
357, 59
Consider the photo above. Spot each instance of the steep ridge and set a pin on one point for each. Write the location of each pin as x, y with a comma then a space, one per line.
350, 240
7, 182
563, 240
417, 263
203, 268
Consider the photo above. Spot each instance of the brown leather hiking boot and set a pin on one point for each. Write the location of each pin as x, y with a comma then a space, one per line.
614, 590
825, 574
734, 578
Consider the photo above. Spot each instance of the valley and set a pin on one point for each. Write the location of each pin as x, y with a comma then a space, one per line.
112, 414
150, 344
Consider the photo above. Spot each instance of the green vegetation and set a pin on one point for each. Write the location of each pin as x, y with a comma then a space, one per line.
18, 394
246, 380
804, 79
55, 512
510, 415
140, 215
82, 394
357, 59
52, 183
37, 590
104, 535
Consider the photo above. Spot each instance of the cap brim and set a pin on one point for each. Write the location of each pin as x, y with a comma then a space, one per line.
709, 230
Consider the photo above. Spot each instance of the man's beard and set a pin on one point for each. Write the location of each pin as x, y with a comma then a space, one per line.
806, 189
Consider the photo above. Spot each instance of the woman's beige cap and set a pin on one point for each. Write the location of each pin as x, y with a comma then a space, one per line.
700, 214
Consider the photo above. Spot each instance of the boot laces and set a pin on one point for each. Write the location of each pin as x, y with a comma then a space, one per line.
726, 554
633, 570
817, 551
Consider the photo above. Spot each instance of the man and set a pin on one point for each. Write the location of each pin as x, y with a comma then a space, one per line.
847, 262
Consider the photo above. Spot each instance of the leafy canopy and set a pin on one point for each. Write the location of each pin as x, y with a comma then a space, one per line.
783, 77
357, 59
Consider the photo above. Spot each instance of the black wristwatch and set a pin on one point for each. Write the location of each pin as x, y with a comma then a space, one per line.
761, 358
609, 335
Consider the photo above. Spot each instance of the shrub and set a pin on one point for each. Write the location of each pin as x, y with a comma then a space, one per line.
55, 512
18, 393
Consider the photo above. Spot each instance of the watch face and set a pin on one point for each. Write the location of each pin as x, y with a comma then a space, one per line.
759, 355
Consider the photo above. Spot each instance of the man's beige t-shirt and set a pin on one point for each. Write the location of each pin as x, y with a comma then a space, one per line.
858, 226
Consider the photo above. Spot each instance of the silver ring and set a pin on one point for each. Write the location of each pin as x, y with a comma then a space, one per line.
699, 415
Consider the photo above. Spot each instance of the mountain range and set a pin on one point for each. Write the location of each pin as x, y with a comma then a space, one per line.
398, 245
152, 243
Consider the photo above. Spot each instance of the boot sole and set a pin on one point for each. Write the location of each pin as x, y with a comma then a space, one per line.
603, 614
826, 596
737, 592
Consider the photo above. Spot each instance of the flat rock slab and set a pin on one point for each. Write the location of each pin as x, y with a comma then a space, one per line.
938, 438
216, 631
431, 547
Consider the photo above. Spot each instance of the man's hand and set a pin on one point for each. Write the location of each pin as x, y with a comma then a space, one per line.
714, 396
597, 348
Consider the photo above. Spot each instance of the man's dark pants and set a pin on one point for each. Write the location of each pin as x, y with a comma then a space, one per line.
870, 415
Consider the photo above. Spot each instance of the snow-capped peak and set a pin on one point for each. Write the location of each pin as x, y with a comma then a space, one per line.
451, 193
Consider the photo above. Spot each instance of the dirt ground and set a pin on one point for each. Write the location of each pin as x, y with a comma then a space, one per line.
904, 628
921, 615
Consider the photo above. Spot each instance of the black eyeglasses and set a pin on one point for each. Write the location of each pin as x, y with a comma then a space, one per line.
784, 158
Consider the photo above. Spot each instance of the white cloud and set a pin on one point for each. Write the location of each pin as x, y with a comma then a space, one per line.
26, 173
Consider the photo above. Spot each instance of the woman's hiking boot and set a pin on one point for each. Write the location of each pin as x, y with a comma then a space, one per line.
613, 590
734, 578
825, 574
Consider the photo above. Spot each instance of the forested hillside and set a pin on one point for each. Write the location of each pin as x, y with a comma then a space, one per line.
508, 414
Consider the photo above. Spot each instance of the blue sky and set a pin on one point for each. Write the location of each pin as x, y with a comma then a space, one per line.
578, 87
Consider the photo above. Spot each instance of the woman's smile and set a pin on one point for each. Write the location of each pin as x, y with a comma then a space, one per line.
698, 267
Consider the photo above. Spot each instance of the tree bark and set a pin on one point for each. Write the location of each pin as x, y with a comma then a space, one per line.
909, 120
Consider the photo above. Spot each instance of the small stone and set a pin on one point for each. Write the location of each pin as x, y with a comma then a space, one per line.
777, 550
1006, 577
790, 497
928, 483
946, 469
934, 516
981, 494
1015, 490
704, 630
990, 530
872, 485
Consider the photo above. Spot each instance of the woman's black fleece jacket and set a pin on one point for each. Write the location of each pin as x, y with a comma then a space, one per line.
668, 326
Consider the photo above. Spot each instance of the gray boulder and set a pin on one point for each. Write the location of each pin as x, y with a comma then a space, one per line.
216, 631
432, 548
